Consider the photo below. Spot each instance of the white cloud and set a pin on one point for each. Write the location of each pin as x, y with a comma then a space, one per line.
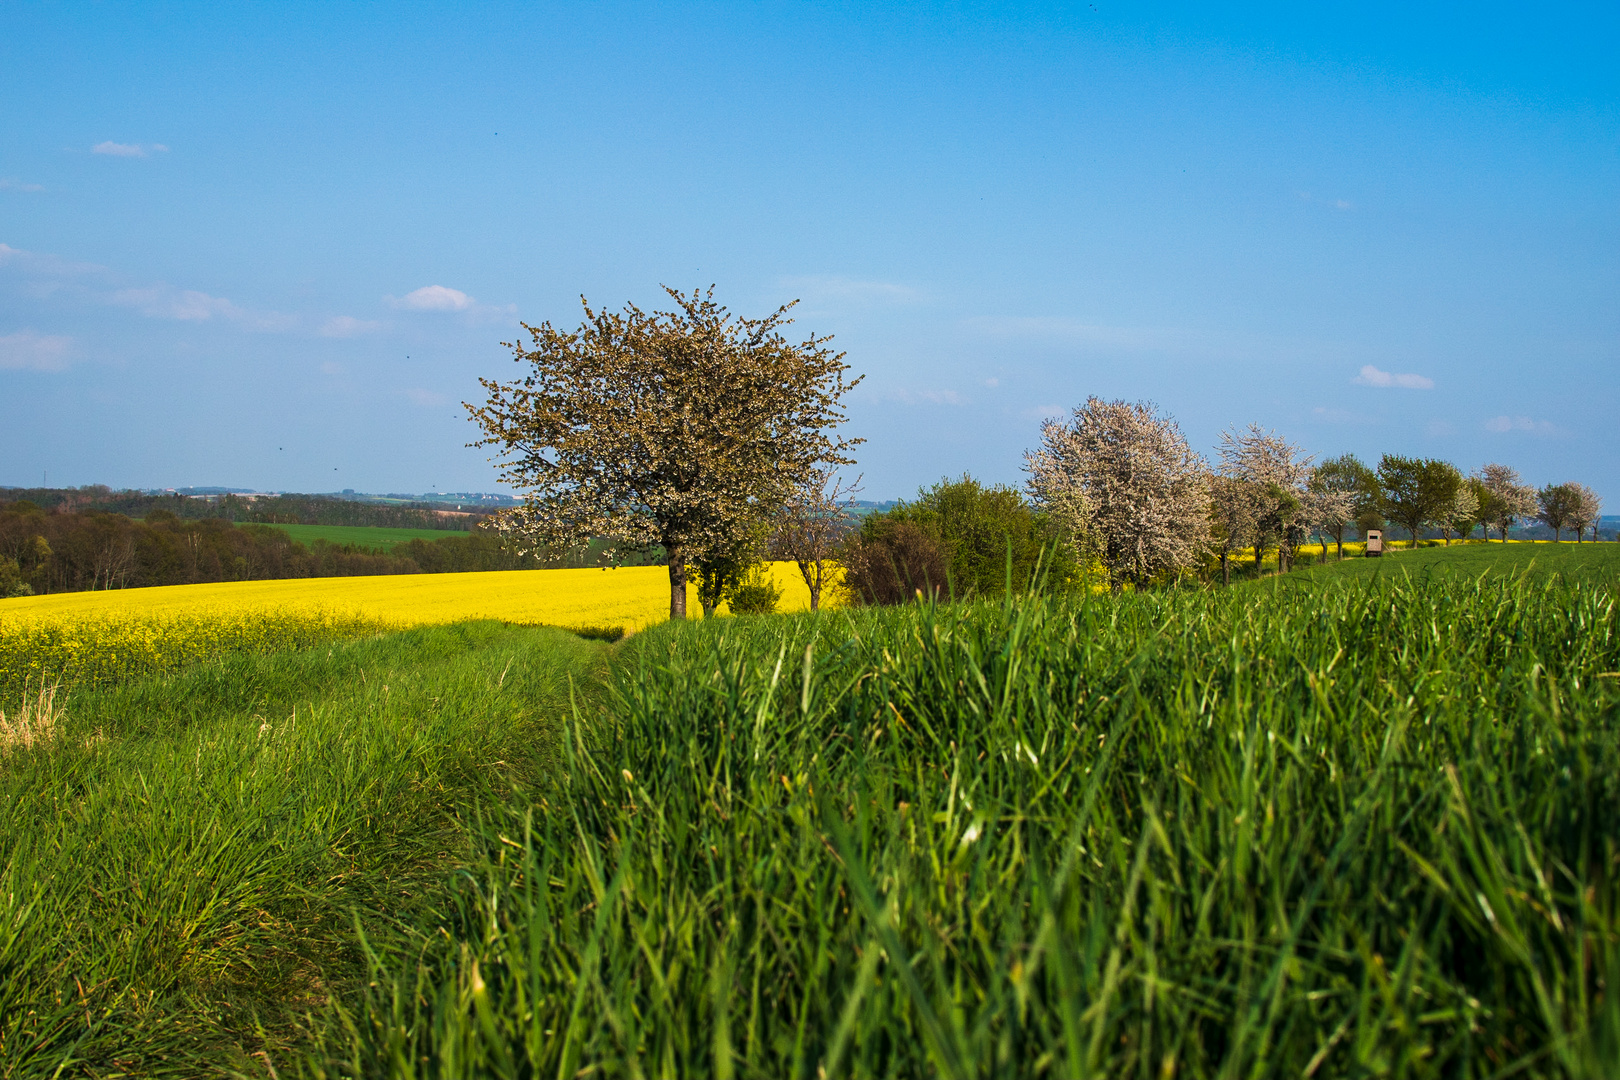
28, 351
434, 298
1501, 425
11, 183
118, 149
345, 326
1372, 376
1047, 412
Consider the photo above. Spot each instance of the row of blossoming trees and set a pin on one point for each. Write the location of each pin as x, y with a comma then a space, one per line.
1143, 503
714, 437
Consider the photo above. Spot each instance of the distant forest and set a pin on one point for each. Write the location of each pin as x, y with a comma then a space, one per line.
67, 549
285, 509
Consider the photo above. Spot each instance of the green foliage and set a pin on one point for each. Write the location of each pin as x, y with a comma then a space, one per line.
1416, 491
757, 593
978, 528
1245, 832
12, 582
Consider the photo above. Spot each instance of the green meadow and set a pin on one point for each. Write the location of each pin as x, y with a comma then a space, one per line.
363, 536
1360, 820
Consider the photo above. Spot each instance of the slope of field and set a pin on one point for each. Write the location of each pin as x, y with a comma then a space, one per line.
187, 857
1538, 560
373, 538
1186, 833
1190, 833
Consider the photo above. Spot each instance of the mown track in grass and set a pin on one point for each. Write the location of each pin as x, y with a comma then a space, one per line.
1364, 830
186, 865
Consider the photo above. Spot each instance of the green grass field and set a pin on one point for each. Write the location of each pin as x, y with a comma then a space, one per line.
1365, 827
1538, 560
377, 539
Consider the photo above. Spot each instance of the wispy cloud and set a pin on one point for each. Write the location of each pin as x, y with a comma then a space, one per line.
28, 351
347, 326
118, 149
1336, 204
909, 396
1058, 328
433, 298
50, 278
425, 398
1502, 425
1372, 376
188, 305
1340, 416
822, 288
11, 183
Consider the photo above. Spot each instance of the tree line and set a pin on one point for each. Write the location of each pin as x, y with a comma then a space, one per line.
715, 437
75, 551
283, 509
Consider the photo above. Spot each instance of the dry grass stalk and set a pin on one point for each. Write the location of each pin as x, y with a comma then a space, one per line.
38, 722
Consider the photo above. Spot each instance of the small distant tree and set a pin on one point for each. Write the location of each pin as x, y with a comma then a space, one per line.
1279, 471
756, 594
721, 569
1123, 477
1507, 499
1417, 491
1468, 512
1588, 510
680, 428
1233, 505
1333, 491
1558, 506
815, 520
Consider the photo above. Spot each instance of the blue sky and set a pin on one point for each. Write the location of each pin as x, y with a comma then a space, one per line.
275, 246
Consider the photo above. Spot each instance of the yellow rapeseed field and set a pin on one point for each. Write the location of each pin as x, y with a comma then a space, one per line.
100, 637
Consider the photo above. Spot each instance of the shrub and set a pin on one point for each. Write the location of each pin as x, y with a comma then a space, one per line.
756, 594
893, 565
977, 530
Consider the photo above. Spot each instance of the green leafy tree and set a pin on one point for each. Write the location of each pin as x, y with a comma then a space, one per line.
681, 428
1558, 507
1341, 488
1417, 491
981, 528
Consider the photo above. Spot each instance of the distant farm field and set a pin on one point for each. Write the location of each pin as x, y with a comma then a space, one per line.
378, 539
98, 636
1537, 559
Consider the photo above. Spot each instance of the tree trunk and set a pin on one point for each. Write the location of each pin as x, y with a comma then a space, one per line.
677, 581
1257, 560
1340, 539
1226, 567
812, 581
